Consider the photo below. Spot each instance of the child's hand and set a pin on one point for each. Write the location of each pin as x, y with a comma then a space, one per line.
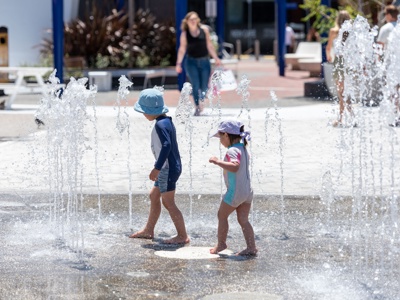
226, 165
154, 174
213, 160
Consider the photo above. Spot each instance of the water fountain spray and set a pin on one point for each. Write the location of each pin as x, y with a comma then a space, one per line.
64, 113
278, 121
215, 91
368, 151
123, 125
183, 115
243, 91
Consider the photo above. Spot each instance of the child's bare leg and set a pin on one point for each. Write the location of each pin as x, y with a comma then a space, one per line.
155, 210
168, 200
242, 212
223, 226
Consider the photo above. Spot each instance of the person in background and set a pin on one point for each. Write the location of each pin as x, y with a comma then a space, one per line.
239, 194
313, 35
290, 39
196, 43
166, 169
391, 13
338, 64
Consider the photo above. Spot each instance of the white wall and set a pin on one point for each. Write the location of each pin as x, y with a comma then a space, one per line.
28, 22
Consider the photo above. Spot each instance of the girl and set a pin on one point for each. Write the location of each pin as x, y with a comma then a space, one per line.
239, 194
338, 65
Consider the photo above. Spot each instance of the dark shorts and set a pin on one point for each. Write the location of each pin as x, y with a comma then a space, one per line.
166, 181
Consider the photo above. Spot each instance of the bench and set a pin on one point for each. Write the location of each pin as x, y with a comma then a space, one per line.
308, 53
19, 85
10, 88
313, 65
102, 79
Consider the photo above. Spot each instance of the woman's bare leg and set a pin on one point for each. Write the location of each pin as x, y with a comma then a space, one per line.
349, 107
155, 210
340, 89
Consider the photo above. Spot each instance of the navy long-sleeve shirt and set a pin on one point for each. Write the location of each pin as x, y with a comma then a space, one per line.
165, 146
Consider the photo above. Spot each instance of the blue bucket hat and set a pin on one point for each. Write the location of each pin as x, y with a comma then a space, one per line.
151, 102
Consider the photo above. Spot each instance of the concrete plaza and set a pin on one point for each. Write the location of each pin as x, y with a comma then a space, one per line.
315, 240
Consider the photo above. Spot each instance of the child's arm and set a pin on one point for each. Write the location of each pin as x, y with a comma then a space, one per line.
230, 166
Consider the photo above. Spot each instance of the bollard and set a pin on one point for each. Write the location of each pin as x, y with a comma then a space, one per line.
238, 49
257, 49
3, 53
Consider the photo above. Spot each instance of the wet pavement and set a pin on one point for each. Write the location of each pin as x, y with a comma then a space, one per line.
301, 255
314, 242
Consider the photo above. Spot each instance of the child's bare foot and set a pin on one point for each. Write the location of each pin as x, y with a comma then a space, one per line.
142, 234
177, 240
248, 252
218, 248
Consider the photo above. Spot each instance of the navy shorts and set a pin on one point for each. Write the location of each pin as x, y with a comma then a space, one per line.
166, 180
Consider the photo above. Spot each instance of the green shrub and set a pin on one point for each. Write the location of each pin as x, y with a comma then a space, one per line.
104, 40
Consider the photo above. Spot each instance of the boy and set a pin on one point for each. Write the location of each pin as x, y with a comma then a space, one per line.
167, 167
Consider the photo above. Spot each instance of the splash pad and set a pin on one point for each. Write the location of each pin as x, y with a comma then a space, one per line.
64, 232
